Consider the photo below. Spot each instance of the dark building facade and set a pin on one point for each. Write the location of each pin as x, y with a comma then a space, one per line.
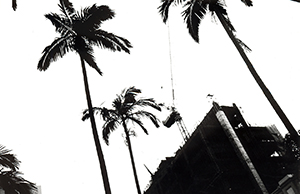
247, 160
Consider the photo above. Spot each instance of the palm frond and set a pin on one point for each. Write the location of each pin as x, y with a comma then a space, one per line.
117, 103
129, 94
148, 102
193, 14
86, 115
131, 90
106, 114
248, 2
92, 17
109, 41
148, 115
7, 159
58, 48
90, 59
14, 5
219, 7
139, 122
67, 8
12, 182
243, 45
163, 9
62, 25
108, 127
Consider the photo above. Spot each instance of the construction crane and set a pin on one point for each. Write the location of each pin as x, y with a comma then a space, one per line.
175, 116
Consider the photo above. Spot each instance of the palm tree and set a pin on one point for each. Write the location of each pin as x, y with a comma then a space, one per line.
10, 178
126, 108
195, 12
79, 31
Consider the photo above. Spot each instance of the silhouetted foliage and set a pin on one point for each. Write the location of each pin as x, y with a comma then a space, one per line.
8, 160
194, 12
14, 5
126, 108
10, 178
79, 31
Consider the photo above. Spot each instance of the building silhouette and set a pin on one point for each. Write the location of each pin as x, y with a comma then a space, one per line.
227, 155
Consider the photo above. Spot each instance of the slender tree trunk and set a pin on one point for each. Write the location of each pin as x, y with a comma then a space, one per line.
94, 129
131, 157
239, 148
259, 81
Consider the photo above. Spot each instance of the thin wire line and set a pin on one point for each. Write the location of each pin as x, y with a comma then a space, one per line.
171, 66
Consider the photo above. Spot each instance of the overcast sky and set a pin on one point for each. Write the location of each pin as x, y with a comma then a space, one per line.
41, 111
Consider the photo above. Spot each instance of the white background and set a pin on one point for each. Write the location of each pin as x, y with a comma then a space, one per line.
41, 111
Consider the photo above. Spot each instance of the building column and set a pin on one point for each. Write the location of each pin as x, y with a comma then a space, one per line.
238, 147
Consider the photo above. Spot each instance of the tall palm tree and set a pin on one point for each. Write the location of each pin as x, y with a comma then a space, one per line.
195, 12
126, 108
79, 31
10, 178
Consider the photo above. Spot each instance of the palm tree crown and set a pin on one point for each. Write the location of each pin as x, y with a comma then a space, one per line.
79, 31
194, 12
125, 108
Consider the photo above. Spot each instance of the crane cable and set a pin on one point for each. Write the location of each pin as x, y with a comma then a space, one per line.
171, 66
179, 121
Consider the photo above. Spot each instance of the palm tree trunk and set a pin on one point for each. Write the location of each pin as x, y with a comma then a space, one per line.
239, 148
94, 129
131, 157
259, 81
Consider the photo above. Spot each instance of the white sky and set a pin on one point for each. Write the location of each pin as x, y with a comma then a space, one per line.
41, 111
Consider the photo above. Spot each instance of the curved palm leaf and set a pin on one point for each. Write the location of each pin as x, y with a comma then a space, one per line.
139, 122
248, 2
148, 102
8, 160
163, 9
14, 5
12, 183
92, 17
218, 6
109, 41
62, 25
147, 114
86, 52
193, 15
67, 8
130, 94
58, 48
109, 126
86, 114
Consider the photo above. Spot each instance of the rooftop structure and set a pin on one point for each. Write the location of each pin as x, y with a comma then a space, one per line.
225, 155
